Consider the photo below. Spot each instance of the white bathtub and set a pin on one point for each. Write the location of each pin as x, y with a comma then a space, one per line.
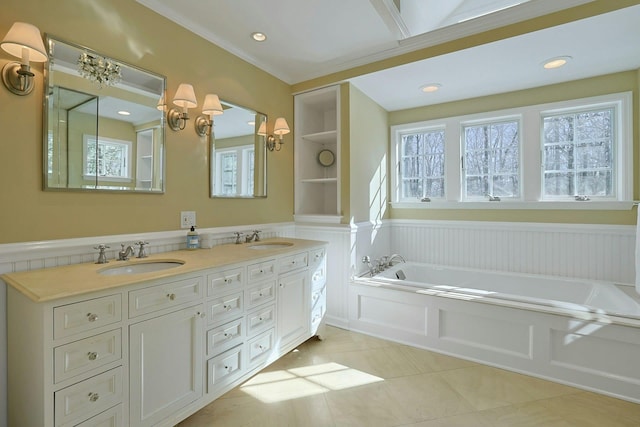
581, 333
570, 294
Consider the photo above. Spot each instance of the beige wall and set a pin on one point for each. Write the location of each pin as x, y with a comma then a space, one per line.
614, 83
132, 33
368, 142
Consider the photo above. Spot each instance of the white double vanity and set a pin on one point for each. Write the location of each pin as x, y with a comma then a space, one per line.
103, 345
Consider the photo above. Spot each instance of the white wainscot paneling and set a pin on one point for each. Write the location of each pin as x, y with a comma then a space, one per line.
589, 251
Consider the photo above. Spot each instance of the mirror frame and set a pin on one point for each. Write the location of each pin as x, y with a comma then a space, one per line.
161, 150
260, 152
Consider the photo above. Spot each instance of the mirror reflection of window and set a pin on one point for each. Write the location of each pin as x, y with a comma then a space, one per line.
235, 170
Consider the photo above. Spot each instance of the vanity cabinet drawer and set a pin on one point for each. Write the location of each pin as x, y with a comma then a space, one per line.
224, 368
88, 398
260, 294
260, 347
225, 281
261, 271
109, 418
294, 262
318, 275
87, 354
225, 308
261, 319
225, 336
317, 256
164, 296
86, 315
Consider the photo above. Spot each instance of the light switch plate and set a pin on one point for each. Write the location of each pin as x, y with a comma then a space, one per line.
187, 219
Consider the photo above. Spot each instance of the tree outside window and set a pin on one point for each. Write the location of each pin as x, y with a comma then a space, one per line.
422, 164
579, 154
492, 159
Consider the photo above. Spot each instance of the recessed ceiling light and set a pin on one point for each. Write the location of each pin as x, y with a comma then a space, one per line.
431, 87
556, 62
124, 113
258, 36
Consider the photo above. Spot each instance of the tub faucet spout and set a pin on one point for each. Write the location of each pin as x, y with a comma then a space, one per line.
395, 257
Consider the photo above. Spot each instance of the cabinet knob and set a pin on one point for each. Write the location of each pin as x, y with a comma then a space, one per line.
200, 314
92, 317
171, 296
93, 397
92, 355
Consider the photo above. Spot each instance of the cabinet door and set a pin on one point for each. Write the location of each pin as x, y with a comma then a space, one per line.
166, 364
293, 308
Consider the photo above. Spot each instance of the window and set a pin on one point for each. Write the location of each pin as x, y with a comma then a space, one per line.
579, 155
575, 154
422, 164
106, 158
491, 164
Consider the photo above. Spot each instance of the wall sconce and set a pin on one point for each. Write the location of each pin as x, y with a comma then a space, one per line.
23, 41
211, 107
186, 98
280, 128
262, 129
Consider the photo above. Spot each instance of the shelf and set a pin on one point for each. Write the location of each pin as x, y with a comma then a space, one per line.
319, 180
321, 137
317, 218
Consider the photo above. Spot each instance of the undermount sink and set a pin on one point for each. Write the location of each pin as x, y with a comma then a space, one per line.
141, 267
264, 246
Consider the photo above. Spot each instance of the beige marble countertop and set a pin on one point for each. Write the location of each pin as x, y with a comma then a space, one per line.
53, 283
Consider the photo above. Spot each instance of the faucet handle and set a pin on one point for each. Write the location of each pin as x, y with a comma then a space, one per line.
142, 252
238, 235
102, 257
257, 234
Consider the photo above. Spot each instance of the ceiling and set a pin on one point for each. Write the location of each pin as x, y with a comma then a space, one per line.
309, 39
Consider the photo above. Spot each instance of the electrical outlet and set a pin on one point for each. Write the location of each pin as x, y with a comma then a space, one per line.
187, 219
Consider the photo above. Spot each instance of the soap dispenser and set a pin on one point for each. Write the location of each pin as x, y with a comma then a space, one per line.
193, 242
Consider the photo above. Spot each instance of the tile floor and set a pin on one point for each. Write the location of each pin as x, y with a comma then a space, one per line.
350, 379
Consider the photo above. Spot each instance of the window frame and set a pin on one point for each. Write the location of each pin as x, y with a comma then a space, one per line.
86, 138
412, 131
531, 149
489, 120
243, 155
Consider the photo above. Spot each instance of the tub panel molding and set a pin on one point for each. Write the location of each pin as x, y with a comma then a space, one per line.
588, 251
589, 354
486, 333
380, 313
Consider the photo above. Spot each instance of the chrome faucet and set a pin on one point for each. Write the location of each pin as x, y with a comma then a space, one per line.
124, 254
254, 237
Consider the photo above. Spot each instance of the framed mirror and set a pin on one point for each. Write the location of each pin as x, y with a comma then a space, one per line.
238, 160
104, 123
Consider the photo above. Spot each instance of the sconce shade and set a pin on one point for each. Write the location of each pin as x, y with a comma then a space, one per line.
162, 105
185, 96
212, 105
25, 36
281, 127
262, 129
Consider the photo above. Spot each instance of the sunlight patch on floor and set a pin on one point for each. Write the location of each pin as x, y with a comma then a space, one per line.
305, 381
